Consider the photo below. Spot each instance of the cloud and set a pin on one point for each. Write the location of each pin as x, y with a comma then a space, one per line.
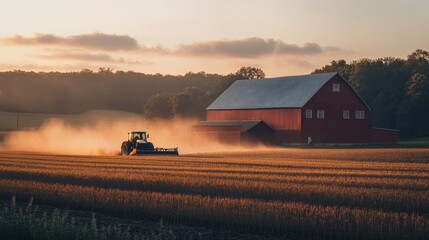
293, 49
296, 63
248, 48
158, 50
47, 67
100, 41
341, 51
67, 67
93, 41
97, 57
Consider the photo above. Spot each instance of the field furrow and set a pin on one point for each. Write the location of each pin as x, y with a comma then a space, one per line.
336, 194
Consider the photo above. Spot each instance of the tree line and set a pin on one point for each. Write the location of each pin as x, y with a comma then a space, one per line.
397, 90
192, 102
77, 92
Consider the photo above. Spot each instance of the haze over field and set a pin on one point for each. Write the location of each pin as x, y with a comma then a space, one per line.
283, 37
102, 132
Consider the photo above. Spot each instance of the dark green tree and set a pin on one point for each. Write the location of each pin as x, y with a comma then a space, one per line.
182, 103
413, 114
384, 110
250, 73
418, 62
159, 106
191, 103
339, 66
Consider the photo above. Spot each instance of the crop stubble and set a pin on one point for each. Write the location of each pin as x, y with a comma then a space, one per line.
314, 193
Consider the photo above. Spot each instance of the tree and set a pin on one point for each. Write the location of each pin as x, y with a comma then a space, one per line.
418, 86
384, 109
413, 114
182, 105
159, 106
418, 62
240, 74
105, 71
86, 71
190, 103
339, 66
250, 73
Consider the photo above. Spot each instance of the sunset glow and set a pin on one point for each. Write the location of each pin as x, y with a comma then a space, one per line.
175, 37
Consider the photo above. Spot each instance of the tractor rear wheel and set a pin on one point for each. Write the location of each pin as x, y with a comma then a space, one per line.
126, 148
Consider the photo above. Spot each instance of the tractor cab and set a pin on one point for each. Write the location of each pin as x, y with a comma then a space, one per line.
137, 136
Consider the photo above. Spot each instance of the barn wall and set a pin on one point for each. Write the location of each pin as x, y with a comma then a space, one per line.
225, 134
259, 134
288, 136
333, 128
279, 119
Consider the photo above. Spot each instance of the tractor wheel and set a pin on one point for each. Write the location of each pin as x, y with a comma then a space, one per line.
126, 148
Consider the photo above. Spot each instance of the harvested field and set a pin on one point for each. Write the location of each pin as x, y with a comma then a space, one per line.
293, 193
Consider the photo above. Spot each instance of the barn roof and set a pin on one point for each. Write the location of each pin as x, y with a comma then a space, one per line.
281, 92
245, 124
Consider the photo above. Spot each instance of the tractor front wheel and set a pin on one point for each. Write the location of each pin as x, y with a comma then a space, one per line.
126, 148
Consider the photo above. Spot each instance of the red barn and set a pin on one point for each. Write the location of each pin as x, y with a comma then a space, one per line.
316, 108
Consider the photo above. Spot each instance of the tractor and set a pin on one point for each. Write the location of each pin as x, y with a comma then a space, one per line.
137, 144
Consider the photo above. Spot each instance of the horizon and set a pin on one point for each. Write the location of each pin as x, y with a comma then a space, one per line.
173, 38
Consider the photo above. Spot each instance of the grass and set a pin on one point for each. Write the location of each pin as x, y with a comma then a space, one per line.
29, 223
295, 193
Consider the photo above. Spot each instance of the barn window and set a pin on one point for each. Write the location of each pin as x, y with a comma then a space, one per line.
308, 113
360, 114
320, 113
336, 87
346, 114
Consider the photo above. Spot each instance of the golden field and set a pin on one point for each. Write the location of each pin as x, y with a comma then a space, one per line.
295, 193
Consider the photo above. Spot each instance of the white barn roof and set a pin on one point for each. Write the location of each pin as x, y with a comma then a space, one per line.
281, 92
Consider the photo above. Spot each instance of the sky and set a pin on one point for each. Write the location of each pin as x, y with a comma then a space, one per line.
282, 37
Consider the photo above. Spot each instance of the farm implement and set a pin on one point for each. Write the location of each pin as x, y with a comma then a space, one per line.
137, 144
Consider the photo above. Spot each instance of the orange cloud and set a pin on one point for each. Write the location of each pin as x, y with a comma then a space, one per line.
241, 48
100, 41
248, 48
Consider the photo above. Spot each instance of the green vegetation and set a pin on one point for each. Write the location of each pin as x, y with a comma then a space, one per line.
77, 92
397, 90
28, 223
296, 193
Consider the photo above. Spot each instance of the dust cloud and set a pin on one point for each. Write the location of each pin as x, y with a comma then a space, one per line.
102, 132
